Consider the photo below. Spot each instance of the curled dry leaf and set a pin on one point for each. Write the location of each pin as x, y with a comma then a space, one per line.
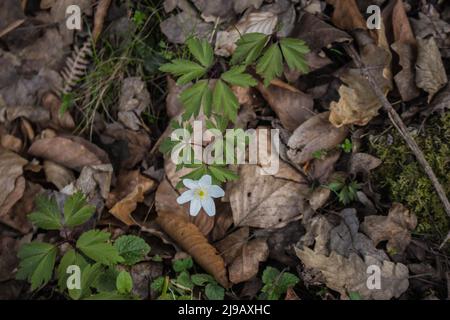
99, 18
346, 15
264, 201
396, 228
293, 108
53, 104
440, 103
58, 175
69, 151
405, 46
430, 71
246, 265
358, 104
316, 134
130, 190
261, 22
189, 237
177, 28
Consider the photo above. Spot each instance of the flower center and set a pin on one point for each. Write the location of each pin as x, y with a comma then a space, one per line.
201, 193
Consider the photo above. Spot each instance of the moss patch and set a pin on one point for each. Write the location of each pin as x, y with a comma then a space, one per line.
404, 181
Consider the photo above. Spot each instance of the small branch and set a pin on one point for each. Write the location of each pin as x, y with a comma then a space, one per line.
401, 128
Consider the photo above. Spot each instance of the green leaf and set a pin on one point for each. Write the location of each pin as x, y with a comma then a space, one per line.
201, 279
89, 276
124, 282
47, 215
287, 280
106, 281
185, 69
222, 174
158, 284
270, 65
195, 97
71, 257
214, 292
201, 50
224, 101
336, 186
66, 103
132, 249
294, 51
270, 275
249, 48
95, 245
37, 260
76, 210
347, 146
237, 76
182, 264
354, 296
184, 280
110, 296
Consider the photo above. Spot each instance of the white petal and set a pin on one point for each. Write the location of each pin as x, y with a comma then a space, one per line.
185, 197
205, 181
215, 191
209, 206
190, 184
196, 205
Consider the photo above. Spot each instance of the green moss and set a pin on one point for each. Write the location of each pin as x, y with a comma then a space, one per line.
403, 179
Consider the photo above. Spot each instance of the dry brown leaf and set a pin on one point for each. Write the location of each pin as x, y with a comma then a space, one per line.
316, 134
58, 175
11, 143
293, 108
99, 19
430, 70
358, 104
346, 15
246, 265
230, 246
189, 237
440, 103
69, 151
396, 228
53, 104
11, 180
134, 98
223, 222
363, 162
130, 190
264, 201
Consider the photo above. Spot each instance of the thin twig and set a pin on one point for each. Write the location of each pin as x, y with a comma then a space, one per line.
401, 128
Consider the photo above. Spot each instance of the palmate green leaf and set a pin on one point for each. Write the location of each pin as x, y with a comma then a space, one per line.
201, 279
184, 69
131, 248
201, 50
195, 97
89, 275
270, 65
184, 279
249, 48
71, 257
37, 260
182, 264
270, 275
47, 215
95, 245
294, 51
222, 174
224, 101
76, 210
237, 76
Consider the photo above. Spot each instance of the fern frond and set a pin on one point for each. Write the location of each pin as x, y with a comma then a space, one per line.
76, 66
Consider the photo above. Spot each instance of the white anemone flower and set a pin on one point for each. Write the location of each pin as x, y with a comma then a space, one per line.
201, 194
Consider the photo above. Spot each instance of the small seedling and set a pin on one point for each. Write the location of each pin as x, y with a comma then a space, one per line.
276, 283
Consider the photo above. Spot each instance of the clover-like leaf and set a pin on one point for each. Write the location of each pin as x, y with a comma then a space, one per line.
224, 100
37, 260
294, 51
76, 210
184, 69
95, 244
270, 65
201, 50
47, 215
237, 76
249, 48
195, 97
